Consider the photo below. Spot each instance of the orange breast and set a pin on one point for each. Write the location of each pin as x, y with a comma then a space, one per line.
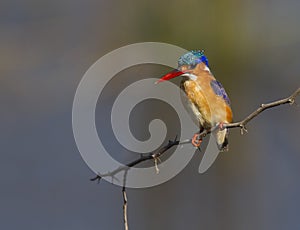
212, 109
200, 104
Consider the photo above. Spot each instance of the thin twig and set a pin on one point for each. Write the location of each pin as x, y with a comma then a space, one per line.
125, 208
242, 124
150, 156
125, 216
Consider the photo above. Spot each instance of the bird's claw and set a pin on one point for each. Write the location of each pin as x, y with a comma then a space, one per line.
196, 141
221, 126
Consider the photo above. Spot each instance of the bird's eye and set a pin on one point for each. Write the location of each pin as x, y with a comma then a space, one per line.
192, 66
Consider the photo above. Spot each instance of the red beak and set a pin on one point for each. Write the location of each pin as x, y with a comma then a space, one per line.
170, 75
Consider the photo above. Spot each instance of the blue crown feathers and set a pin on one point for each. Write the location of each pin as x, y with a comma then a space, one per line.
193, 58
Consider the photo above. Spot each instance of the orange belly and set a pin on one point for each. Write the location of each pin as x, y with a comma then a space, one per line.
209, 108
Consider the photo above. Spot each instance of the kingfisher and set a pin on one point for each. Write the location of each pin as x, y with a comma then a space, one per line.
207, 98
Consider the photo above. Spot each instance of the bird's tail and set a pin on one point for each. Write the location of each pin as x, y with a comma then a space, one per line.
222, 139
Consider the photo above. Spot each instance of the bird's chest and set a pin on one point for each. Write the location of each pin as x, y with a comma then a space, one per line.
203, 102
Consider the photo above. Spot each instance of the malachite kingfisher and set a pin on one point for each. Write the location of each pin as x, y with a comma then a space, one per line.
206, 96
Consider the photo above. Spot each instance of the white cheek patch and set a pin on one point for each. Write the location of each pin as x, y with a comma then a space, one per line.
206, 69
193, 77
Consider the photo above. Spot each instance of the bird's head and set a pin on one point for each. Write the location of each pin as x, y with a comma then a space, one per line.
186, 64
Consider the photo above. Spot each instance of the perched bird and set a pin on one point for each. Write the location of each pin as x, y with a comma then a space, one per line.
207, 98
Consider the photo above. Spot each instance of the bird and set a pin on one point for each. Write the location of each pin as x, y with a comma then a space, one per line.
206, 97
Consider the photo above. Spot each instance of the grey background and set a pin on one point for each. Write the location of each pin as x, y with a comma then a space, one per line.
46, 47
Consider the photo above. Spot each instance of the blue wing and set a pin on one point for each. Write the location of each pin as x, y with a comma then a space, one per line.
219, 90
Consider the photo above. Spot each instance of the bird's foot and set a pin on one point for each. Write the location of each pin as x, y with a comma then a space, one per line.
196, 141
221, 126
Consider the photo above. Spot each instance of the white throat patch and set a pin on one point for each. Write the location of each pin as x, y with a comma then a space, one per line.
190, 76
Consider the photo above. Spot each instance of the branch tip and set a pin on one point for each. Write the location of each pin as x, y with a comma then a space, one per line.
96, 178
125, 208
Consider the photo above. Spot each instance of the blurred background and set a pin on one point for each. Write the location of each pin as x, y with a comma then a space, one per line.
47, 46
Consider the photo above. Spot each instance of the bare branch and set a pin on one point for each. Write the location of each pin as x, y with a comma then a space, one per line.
150, 156
242, 124
155, 155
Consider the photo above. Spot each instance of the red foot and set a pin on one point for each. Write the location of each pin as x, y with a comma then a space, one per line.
221, 125
195, 141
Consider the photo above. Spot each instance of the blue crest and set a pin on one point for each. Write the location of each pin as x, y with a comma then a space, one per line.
193, 58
